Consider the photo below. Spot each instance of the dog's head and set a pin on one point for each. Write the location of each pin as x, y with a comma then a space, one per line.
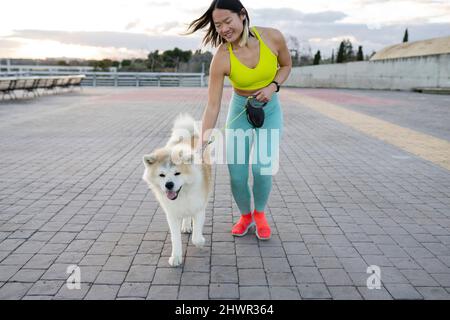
168, 170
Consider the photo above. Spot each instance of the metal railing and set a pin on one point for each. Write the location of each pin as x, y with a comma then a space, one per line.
114, 78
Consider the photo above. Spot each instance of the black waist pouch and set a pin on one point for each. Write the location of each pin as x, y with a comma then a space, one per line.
255, 112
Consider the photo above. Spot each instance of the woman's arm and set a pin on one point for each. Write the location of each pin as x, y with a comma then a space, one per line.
284, 57
284, 61
215, 90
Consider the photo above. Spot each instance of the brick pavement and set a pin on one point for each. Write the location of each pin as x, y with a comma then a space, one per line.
71, 194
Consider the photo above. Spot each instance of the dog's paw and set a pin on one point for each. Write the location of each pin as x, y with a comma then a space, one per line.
175, 260
199, 242
186, 226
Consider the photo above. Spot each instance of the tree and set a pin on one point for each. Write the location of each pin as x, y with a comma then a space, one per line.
360, 55
317, 58
294, 48
341, 53
154, 61
349, 53
345, 52
172, 58
126, 63
405, 37
199, 62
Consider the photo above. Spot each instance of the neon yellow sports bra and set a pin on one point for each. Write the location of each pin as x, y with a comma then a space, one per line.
245, 78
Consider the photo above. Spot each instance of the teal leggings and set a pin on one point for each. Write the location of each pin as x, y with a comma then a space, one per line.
241, 137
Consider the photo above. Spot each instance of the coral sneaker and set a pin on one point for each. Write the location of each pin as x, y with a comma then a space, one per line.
262, 227
243, 225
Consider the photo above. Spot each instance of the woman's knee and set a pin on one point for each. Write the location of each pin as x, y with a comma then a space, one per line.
238, 174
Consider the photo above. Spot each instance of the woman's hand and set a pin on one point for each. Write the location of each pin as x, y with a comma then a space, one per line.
265, 94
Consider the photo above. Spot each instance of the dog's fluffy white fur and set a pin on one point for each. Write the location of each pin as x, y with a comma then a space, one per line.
181, 186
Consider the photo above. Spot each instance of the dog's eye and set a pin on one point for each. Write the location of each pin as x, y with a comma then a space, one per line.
177, 173
162, 175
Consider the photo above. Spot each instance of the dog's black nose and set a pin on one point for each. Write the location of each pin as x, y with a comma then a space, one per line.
169, 185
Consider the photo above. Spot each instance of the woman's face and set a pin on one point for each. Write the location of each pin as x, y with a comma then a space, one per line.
228, 24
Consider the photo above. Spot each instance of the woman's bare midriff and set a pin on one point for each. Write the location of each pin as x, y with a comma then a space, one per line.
245, 93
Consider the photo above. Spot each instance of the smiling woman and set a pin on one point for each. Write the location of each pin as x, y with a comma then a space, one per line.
257, 62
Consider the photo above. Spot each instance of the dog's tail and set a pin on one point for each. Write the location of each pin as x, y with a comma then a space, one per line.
184, 128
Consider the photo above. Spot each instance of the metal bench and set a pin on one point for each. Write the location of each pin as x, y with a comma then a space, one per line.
10, 85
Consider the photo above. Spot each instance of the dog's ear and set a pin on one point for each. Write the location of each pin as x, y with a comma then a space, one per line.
149, 159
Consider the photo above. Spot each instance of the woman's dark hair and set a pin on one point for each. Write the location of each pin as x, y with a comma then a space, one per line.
212, 36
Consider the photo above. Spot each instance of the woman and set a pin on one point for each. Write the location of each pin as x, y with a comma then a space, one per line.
257, 62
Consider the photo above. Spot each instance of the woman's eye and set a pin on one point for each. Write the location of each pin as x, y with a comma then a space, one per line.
177, 173
162, 175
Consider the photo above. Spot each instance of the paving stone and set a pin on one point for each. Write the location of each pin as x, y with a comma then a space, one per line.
344, 293
419, 278
72, 294
193, 292
102, 292
141, 274
280, 279
162, 292
307, 275
327, 263
46, 288
28, 275
14, 290
442, 278
249, 262
224, 274
223, 291
167, 276
94, 260
200, 264
195, 278
111, 277
314, 291
284, 293
223, 260
403, 291
336, 277
276, 265
118, 263
374, 294
6, 272
254, 293
433, 293
16, 259
134, 290
252, 277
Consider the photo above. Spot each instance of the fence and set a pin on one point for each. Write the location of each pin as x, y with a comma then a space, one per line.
117, 79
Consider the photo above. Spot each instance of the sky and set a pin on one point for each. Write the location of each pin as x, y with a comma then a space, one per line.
124, 29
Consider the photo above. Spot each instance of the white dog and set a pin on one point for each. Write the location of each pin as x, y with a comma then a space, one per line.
181, 186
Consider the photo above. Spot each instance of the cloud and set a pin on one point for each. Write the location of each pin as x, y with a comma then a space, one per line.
319, 30
288, 14
324, 30
109, 39
158, 3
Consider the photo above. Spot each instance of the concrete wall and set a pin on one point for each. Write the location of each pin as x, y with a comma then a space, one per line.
396, 74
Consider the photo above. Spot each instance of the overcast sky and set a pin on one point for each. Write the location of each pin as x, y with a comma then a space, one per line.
119, 29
